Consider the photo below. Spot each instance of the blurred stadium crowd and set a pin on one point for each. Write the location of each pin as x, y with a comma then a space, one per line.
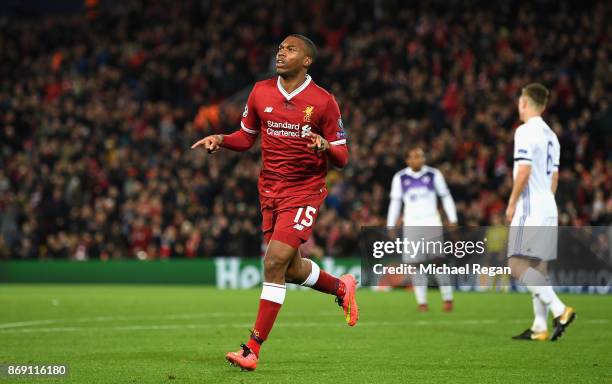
98, 111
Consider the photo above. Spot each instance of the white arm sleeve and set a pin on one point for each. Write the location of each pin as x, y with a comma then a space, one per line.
395, 205
556, 155
523, 146
447, 199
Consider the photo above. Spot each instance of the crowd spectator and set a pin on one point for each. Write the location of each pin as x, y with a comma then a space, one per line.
98, 111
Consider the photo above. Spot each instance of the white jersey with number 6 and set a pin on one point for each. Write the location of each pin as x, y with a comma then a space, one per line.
537, 145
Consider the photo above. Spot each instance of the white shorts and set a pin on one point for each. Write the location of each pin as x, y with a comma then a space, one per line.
423, 234
534, 237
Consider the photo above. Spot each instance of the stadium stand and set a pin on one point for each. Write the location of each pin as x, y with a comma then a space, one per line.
98, 111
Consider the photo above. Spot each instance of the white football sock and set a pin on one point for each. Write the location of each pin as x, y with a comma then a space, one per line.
540, 312
536, 283
419, 283
313, 276
446, 290
273, 292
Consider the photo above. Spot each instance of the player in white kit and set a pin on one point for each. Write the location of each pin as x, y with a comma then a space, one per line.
532, 214
418, 187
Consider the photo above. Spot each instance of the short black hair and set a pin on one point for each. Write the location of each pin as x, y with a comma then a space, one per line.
538, 93
414, 147
311, 48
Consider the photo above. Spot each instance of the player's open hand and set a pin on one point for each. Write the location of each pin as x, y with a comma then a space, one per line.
318, 143
211, 143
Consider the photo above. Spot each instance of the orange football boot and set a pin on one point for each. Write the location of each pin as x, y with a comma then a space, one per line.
447, 306
243, 358
348, 301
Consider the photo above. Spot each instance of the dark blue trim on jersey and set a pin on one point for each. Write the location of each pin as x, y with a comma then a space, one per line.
521, 158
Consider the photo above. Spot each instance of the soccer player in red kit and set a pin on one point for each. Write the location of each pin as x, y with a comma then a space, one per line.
301, 132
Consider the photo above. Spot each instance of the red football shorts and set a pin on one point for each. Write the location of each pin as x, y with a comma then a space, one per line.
290, 219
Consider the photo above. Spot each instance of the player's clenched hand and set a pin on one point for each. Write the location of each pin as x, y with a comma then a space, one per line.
211, 143
318, 143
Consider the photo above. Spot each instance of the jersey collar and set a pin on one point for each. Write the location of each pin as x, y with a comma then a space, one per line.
534, 118
421, 171
296, 91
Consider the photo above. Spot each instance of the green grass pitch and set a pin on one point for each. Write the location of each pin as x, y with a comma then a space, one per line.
180, 334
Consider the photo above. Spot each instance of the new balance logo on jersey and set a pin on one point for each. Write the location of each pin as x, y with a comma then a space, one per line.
268, 109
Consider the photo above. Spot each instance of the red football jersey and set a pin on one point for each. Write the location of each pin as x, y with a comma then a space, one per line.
284, 119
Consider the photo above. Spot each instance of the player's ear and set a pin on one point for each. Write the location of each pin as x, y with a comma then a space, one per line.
307, 61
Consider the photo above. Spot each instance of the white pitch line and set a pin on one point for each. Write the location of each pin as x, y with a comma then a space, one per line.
45, 330
154, 327
160, 317
26, 323
115, 318
188, 316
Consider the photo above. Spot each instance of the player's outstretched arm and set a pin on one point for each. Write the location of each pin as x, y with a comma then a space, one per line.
211, 143
238, 141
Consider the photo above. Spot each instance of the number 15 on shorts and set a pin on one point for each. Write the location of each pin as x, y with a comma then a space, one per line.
304, 217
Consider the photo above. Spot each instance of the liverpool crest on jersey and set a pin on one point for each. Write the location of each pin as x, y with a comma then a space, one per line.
308, 113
